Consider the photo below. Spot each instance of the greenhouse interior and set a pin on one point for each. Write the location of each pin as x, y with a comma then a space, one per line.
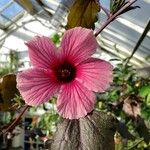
74, 74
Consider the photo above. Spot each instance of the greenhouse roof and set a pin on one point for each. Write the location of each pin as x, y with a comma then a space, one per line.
9, 12
19, 24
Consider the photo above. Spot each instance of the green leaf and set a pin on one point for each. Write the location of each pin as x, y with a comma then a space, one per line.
114, 95
56, 38
83, 13
148, 99
115, 5
144, 91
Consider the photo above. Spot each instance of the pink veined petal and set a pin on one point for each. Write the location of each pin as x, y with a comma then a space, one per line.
78, 44
37, 86
75, 101
95, 74
42, 52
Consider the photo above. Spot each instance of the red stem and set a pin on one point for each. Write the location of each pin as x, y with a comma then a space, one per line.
16, 121
112, 18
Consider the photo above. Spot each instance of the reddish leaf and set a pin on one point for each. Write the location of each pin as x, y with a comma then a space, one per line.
8, 91
94, 132
83, 13
123, 130
142, 129
132, 106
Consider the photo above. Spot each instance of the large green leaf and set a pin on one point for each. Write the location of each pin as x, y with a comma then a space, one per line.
144, 91
83, 13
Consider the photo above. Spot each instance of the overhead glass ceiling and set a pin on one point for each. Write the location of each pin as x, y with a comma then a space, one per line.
117, 40
9, 12
124, 33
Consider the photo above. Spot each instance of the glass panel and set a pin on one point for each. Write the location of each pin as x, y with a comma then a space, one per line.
3, 3
52, 4
12, 10
2, 20
105, 3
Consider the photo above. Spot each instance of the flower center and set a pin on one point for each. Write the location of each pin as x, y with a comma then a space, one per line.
65, 72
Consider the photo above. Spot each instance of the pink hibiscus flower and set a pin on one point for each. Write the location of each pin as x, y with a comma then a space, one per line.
69, 71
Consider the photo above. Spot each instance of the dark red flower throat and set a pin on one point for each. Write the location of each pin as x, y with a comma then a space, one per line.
65, 72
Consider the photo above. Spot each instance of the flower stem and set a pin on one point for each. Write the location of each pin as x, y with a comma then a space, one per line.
113, 17
16, 121
146, 30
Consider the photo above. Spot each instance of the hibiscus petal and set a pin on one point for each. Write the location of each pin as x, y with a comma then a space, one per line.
42, 52
75, 101
95, 74
78, 44
37, 85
